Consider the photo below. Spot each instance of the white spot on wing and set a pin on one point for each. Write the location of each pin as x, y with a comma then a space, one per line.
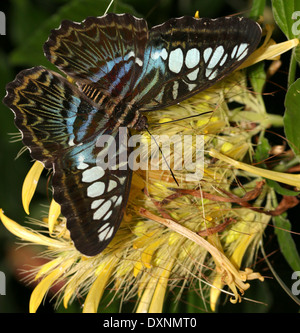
164, 54
81, 165
191, 86
192, 58
122, 180
106, 234
119, 201
223, 60
161, 53
176, 60
111, 185
96, 203
210, 73
193, 75
234, 51
90, 175
71, 142
241, 51
103, 227
206, 54
100, 212
218, 53
175, 89
139, 62
108, 215
109, 234
129, 55
95, 190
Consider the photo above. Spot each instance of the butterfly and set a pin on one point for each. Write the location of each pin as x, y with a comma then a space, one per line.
117, 69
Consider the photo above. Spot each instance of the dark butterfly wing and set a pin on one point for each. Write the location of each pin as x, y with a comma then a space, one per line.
92, 196
186, 55
51, 115
150, 69
102, 54
61, 127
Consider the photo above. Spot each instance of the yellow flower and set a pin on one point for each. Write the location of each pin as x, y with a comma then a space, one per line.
173, 238
30, 184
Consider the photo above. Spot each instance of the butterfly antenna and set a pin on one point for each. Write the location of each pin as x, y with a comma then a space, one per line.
188, 117
107, 9
163, 157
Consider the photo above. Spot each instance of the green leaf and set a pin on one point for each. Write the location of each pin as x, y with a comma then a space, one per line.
297, 54
281, 190
257, 76
262, 150
257, 9
286, 14
286, 242
195, 302
20, 26
291, 117
30, 53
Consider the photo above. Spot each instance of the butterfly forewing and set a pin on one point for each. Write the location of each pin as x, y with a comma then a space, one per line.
51, 113
119, 68
102, 54
186, 55
151, 69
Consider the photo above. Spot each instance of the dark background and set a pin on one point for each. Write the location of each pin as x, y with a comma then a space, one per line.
31, 20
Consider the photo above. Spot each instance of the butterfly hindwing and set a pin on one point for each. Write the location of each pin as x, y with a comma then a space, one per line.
93, 196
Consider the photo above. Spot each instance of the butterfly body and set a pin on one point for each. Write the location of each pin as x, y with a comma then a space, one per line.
120, 69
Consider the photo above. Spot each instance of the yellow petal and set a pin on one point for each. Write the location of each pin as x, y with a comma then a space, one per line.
286, 178
138, 267
96, 291
147, 254
69, 291
165, 120
157, 301
42, 288
226, 147
269, 51
54, 212
30, 184
26, 234
143, 240
71, 288
215, 291
146, 298
239, 251
244, 240
47, 267
154, 291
